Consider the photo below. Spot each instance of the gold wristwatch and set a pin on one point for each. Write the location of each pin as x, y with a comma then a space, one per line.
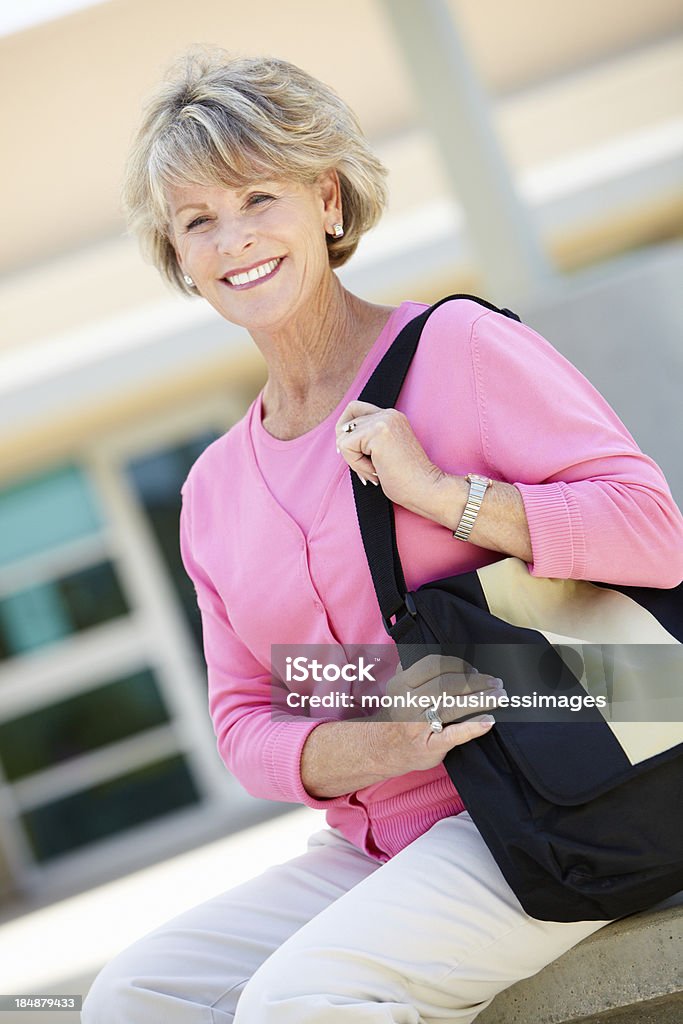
479, 485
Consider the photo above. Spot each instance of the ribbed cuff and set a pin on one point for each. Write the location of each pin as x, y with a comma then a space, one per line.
283, 763
558, 539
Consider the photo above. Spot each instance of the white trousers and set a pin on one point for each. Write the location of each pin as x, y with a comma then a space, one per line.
332, 937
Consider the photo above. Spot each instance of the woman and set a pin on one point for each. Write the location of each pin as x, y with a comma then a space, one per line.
248, 184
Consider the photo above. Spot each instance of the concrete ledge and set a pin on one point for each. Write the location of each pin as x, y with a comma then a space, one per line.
667, 1010
630, 972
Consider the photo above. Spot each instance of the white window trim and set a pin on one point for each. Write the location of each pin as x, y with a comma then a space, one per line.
154, 635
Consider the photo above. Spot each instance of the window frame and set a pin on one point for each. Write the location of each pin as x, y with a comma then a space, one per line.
154, 635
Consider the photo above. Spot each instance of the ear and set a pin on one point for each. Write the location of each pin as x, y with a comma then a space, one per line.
330, 193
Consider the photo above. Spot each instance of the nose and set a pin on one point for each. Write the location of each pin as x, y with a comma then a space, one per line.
234, 236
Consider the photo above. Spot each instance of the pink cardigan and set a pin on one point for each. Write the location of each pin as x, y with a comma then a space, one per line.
484, 394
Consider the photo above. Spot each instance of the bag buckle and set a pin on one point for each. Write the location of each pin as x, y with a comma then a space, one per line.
408, 608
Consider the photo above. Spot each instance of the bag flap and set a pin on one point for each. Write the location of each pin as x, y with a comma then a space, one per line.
571, 763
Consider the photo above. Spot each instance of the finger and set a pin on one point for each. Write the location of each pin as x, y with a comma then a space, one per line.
348, 425
354, 410
360, 464
351, 434
468, 683
467, 704
453, 663
452, 684
464, 732
350, 447
429, 667
434, 666
451, 707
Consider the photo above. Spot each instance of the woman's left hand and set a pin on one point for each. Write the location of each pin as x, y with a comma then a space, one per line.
382, 449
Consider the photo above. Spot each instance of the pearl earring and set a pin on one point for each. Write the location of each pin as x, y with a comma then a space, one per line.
188, 280
338, 230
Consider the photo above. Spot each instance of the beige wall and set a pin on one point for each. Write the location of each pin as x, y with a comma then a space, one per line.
73, 88
569, 81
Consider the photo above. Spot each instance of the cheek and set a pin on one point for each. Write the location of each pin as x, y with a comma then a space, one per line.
193, 251
180, 247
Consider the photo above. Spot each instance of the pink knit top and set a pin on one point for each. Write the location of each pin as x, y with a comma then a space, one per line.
269, 537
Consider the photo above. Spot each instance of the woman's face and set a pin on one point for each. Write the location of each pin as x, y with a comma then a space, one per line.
273, 231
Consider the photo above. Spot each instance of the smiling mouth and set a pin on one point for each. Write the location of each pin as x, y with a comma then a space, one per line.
255, 275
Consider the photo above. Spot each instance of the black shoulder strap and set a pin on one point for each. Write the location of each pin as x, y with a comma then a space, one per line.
375, 511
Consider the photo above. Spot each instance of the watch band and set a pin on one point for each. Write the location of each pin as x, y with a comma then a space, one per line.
479, 485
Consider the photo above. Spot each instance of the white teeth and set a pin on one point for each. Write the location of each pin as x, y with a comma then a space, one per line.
253, 275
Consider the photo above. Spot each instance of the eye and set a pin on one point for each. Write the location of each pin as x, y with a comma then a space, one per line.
196, 222
259, 198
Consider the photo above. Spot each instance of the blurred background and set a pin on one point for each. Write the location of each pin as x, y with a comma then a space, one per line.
535, 152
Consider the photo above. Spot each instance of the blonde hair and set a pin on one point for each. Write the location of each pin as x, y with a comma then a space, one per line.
216, 119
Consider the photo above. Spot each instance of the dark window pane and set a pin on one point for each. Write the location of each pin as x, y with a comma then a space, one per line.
49, 612
110, 808
79, 724
157, 479
92, 596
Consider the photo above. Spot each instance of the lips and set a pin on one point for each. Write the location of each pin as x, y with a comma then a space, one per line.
253, 275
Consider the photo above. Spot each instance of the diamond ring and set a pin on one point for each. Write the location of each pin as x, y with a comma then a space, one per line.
348, 427
435, 723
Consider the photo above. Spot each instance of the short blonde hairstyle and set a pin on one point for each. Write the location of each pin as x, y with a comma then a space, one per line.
216, 119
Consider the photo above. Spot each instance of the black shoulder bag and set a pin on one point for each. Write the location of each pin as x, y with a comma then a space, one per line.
582, 813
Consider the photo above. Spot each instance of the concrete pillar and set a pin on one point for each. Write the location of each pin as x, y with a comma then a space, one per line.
457, 111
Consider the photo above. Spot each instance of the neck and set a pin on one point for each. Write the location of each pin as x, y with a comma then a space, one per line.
314, 352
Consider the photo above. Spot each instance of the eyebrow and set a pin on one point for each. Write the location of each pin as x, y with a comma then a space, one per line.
240, 191
190, 206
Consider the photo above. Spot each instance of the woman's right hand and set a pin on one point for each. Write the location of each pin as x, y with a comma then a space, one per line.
343, 757
401, 739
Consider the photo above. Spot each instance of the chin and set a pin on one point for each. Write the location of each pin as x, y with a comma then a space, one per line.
264, 314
